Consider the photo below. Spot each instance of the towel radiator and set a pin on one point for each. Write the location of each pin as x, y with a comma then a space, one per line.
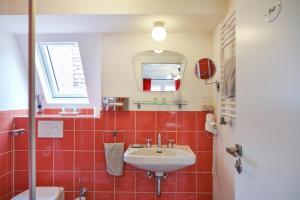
228, 50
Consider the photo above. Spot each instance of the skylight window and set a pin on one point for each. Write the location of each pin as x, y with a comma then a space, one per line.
61, 72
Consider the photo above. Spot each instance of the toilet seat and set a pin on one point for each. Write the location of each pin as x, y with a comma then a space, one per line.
43, 193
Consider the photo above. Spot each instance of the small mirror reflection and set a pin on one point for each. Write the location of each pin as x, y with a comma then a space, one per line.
205, 69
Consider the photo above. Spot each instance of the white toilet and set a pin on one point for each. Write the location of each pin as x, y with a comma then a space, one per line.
43, 193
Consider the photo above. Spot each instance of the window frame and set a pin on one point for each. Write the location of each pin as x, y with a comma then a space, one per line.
47, 77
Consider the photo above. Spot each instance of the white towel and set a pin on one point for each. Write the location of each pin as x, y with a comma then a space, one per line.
210, 123
114, 155
229, 78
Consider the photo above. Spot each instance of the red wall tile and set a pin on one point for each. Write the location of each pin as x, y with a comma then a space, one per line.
100, 164
63, 160
201, 120
141, 137
143, 183
21, 142
166, 121
84, 179
21, 160
145, 120
204, 141
6, 183
65, 143
44, 143
5, 163
44, 160
204, 182
167, 184
104, 195
124, 196
44, 178
186, 121
205, 196
186, 196
106, 121
69, 195
65, 180
104, 182
125, 183
21, 180
84, 161
187, 138
99, 138
84, 123
84, 140
78, 159
204, 161
5, 142
145, 196
167, 196
125, 120
186, 182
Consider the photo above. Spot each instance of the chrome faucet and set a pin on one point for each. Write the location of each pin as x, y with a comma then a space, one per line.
159, 140
148, 143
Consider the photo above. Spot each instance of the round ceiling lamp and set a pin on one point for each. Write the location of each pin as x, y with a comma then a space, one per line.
159, 32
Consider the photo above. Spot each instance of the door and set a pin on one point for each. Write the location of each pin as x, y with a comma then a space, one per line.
268, 101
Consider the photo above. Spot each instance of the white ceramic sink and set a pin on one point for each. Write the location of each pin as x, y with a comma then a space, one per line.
166, 160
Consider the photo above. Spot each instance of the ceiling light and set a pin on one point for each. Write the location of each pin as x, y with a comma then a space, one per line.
159, 32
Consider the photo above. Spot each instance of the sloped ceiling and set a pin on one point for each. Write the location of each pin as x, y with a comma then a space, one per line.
111, 16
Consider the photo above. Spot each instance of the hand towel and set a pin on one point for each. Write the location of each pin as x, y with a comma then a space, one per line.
210, 123
114, 155
229, 78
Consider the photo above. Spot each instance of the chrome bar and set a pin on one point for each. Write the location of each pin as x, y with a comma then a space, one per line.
31, 98
16, 132
228, 115
229, 109
228, 103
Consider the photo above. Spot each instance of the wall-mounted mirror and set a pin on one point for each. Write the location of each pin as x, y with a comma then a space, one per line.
159, 71
205, 69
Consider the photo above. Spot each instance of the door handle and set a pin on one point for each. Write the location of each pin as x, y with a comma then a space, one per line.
236, 152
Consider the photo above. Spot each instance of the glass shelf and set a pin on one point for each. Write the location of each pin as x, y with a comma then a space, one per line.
160, 103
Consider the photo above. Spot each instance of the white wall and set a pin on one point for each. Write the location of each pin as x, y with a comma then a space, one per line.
223, 167
268, 101
118, 73
116, 51
13, 74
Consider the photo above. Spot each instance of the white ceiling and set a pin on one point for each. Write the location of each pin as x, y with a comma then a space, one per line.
113, 16
127, 23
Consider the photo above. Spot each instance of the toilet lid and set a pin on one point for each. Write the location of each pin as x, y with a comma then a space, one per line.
42, 193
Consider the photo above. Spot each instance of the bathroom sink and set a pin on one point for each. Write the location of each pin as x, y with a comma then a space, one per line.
160, 159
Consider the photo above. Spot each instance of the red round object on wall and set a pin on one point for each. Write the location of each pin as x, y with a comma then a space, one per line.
205, 68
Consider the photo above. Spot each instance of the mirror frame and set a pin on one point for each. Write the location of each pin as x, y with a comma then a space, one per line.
137, 67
